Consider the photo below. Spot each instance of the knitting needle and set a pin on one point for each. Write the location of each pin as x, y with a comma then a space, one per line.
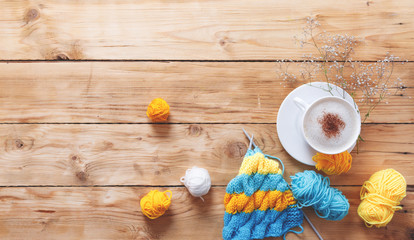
251, 139
251, 142
313, 227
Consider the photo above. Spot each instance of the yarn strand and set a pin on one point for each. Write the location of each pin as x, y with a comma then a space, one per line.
293, 231
312, 226
280, 161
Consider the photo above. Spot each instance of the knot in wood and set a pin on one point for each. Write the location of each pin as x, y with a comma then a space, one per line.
224, 41
81, 175
62, 56
236, 149
19, 143
31, 15
194, 130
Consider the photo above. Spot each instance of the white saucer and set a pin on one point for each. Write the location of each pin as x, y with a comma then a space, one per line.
289, 117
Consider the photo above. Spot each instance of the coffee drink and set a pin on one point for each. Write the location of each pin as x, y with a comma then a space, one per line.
330, 124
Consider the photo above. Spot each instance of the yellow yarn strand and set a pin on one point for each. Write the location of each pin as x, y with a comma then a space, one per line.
333, 164
380, 196
155, 203
158, 110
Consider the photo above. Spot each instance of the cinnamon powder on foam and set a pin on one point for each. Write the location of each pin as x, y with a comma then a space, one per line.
332, 124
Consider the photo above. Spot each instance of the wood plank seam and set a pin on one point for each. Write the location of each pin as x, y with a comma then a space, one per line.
141, 123
182, 60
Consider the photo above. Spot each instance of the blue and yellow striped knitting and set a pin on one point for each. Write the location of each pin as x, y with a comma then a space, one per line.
259, 202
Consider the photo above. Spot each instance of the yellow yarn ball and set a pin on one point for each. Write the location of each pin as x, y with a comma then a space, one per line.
155, 203
380, 196
158, 110
333, 164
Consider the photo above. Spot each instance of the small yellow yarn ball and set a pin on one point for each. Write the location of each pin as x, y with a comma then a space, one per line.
155, 203
380, 196
158, 110
333, 164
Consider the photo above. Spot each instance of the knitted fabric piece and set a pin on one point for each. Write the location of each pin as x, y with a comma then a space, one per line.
258, 201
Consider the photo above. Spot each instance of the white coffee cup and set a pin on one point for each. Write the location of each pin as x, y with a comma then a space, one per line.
330, 125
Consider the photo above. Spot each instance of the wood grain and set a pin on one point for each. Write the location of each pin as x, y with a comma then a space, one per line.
119, 92
114, 213
112, 154
227, 30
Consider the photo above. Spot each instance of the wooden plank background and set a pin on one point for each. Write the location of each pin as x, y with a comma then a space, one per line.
210, 30
113, 213
112, 154
119, 92
77, 151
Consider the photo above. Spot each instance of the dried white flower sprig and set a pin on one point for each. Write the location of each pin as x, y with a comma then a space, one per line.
373, 80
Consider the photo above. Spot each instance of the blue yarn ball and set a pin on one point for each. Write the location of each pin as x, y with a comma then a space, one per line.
312, 190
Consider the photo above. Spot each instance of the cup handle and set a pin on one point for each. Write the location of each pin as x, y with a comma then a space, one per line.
301, 104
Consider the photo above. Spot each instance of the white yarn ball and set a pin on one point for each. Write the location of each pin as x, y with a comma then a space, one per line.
197, 180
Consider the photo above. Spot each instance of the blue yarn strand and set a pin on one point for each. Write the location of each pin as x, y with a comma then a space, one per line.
312, 190
293, 231
281, 163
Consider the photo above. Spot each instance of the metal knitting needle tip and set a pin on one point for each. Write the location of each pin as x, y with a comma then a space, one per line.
247, 135
250, 138
313, 227
251, 142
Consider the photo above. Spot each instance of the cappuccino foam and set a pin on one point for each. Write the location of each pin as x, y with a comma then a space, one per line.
331, 124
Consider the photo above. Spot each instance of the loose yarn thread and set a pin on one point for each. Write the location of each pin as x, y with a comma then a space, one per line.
198, 181
380, 196
155, 203
312, 190
333, 164
158, 110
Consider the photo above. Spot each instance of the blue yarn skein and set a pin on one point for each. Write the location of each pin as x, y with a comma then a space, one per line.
312, 190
